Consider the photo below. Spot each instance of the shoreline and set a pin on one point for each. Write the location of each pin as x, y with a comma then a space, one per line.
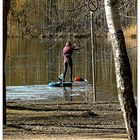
61, 120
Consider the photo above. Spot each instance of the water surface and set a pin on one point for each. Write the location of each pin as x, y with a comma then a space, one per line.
32, 63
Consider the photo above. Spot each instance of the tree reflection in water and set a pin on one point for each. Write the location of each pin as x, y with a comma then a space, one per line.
32, 62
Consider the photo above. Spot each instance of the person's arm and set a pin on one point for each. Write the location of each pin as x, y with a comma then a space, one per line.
75, 47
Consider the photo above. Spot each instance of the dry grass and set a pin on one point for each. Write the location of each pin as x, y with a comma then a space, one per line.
69, 137
65, 121
131, 31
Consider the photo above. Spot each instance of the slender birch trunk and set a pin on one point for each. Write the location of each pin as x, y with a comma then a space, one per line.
122, 68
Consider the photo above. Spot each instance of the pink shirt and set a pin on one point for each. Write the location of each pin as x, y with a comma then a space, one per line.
68, 50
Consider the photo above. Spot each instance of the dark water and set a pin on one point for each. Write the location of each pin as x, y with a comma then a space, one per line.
32, 63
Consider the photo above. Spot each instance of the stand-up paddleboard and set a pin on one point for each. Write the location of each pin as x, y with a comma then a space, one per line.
60, 84
67, 84
77, 81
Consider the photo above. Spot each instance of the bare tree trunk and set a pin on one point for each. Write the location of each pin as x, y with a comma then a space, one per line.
122, 69
6, 7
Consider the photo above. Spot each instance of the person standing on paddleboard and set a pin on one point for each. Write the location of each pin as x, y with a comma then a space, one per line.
67, 53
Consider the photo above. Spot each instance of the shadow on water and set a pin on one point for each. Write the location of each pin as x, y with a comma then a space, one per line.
32, 64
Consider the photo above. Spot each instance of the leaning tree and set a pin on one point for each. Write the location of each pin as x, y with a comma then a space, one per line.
122, 68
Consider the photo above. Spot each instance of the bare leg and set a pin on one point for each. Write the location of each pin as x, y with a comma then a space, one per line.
65, 70
71, 68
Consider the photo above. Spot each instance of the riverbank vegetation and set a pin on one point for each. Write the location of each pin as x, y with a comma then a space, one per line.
63, 18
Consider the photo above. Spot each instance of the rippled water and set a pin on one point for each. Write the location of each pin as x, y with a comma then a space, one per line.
45, 92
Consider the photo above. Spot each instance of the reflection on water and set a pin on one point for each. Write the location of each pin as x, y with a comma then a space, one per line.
34, 63
43, 92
